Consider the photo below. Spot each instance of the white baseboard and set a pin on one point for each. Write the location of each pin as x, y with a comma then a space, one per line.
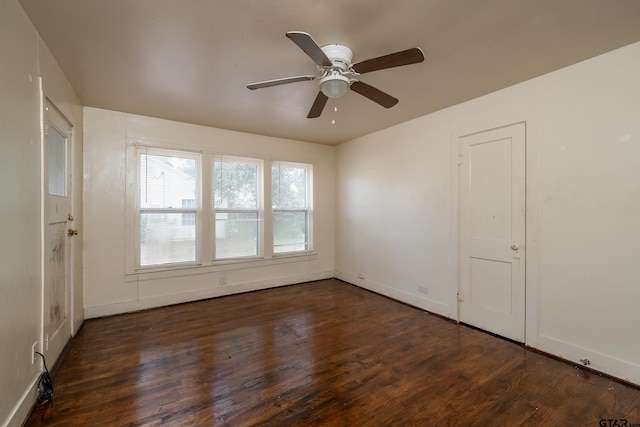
23, 409
608, 365
622, 369
200, 294
418, 301
78, 320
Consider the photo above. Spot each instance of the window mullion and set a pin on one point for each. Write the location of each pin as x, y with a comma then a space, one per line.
206, 217
268, 214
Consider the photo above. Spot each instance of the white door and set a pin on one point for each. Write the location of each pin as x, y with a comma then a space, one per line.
492, 231
58, 232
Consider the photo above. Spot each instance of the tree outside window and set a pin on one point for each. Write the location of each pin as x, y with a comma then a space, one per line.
237, 203
291, 203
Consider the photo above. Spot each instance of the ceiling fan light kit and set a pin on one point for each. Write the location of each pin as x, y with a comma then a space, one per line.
335, 63
334, 85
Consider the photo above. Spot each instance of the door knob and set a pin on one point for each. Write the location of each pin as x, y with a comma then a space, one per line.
515, 246
72, 232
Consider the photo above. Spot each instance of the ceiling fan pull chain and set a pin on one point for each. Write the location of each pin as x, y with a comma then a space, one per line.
335, 109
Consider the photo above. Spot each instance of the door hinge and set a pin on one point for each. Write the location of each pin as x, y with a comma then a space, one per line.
459, 295
46, 130
460, 159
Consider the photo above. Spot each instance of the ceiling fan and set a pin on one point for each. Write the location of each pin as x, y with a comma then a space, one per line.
339, 74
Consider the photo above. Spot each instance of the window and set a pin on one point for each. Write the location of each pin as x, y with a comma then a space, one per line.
291, 202
166, 207
190, 209
237, 203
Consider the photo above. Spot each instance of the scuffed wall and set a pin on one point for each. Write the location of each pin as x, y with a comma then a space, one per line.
26, 60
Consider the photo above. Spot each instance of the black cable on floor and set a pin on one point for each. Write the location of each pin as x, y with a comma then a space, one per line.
45, 386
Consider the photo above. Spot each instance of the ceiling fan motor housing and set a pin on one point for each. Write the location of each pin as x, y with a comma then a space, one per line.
340, 56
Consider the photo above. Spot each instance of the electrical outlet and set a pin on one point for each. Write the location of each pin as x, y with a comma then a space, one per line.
34, 348
223, 280
423, 289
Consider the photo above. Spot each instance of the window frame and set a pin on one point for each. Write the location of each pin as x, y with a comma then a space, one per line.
259, 210
308, 210
139, 210
205, 218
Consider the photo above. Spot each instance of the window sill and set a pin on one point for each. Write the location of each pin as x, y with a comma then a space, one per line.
216, 266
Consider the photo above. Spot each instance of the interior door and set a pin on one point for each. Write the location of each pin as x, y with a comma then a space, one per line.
492, 231
58, 231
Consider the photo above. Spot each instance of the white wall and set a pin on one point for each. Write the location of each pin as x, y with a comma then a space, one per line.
24, 59
108, 287
395, 214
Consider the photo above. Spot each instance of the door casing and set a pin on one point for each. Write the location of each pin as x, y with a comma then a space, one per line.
492, 234
532, 197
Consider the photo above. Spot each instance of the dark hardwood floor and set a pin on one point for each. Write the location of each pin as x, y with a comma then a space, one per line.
321, 353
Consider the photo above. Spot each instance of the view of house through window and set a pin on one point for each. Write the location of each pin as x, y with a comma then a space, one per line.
169, 208
166, 205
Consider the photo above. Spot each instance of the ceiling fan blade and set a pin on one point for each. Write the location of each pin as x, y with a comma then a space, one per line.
310, 47
277, 82
318, 106
397, 59
376, 95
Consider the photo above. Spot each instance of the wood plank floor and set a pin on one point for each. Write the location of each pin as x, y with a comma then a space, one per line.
321, 353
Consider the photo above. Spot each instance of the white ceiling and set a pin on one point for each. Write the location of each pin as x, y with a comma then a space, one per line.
190, 60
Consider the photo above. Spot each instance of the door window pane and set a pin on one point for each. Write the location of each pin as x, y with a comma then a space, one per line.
56, 161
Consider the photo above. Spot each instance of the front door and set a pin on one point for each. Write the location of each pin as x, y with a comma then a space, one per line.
492, 231
58, 230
